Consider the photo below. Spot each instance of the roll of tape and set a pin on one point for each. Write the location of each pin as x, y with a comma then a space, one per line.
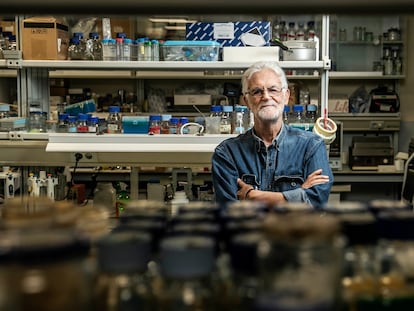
325, 128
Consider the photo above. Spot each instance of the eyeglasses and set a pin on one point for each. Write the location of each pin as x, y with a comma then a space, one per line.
259, 92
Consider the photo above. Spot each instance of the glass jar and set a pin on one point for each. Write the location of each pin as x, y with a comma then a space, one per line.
114, 120
34, 265
82, 123
226, 120
298, 251
154, 124
123, 281
186, 264
62, 125
105, 197
37, 122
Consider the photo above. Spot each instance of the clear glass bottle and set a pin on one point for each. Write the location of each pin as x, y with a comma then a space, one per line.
174, 125
114, 120
82, 123
240, 119
74, 49
299, 250
298, 119
291, 31
104, 196
37, 122
311, 33
286, 114
36, 262
186, 264
311, 116
155, 124
182, 122
62, 125
4, 111
283, 31
226, 120
82, 44
95, 46
72, 126
165, 124
93, 125
123, 281
300, 33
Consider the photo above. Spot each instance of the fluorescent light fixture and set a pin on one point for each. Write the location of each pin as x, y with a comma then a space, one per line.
171, 20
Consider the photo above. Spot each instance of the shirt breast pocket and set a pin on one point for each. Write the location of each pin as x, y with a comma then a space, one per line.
286, 183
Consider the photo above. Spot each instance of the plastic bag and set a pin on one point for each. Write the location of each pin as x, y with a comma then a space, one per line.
359, 100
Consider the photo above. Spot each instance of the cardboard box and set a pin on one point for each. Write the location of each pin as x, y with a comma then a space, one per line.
189, 100
255, 33
339, 104
45, 38
250, 53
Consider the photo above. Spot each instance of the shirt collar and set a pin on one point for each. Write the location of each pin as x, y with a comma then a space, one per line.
261, 145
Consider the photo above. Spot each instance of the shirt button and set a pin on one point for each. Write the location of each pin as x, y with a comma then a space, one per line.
293, 184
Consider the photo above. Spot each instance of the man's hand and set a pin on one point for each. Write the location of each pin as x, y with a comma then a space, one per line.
243, 189
315, 178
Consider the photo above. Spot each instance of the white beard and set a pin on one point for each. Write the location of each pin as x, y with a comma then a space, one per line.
270, 113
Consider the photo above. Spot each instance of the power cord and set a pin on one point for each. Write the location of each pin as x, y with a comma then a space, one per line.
78, 157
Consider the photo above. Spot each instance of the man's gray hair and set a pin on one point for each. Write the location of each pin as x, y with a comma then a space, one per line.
258, 66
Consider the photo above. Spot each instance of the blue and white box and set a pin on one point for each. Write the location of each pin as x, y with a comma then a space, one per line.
254, 33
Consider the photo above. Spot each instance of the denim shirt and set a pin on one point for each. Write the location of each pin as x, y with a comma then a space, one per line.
281, 167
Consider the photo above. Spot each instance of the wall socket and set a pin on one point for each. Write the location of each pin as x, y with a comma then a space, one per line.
84, 157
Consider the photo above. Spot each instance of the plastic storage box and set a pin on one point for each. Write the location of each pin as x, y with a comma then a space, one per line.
135, 124
190, 50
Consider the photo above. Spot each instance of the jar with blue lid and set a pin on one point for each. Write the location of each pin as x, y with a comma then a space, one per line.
114, 120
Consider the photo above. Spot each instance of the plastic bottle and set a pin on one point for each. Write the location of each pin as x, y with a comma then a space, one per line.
147, 50
127, 49
114, 120
119, 43
154, 124
108, 49
140, 49
226, 120
155, 50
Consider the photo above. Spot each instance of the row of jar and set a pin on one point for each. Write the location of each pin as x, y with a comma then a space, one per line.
243, 256
120, 48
